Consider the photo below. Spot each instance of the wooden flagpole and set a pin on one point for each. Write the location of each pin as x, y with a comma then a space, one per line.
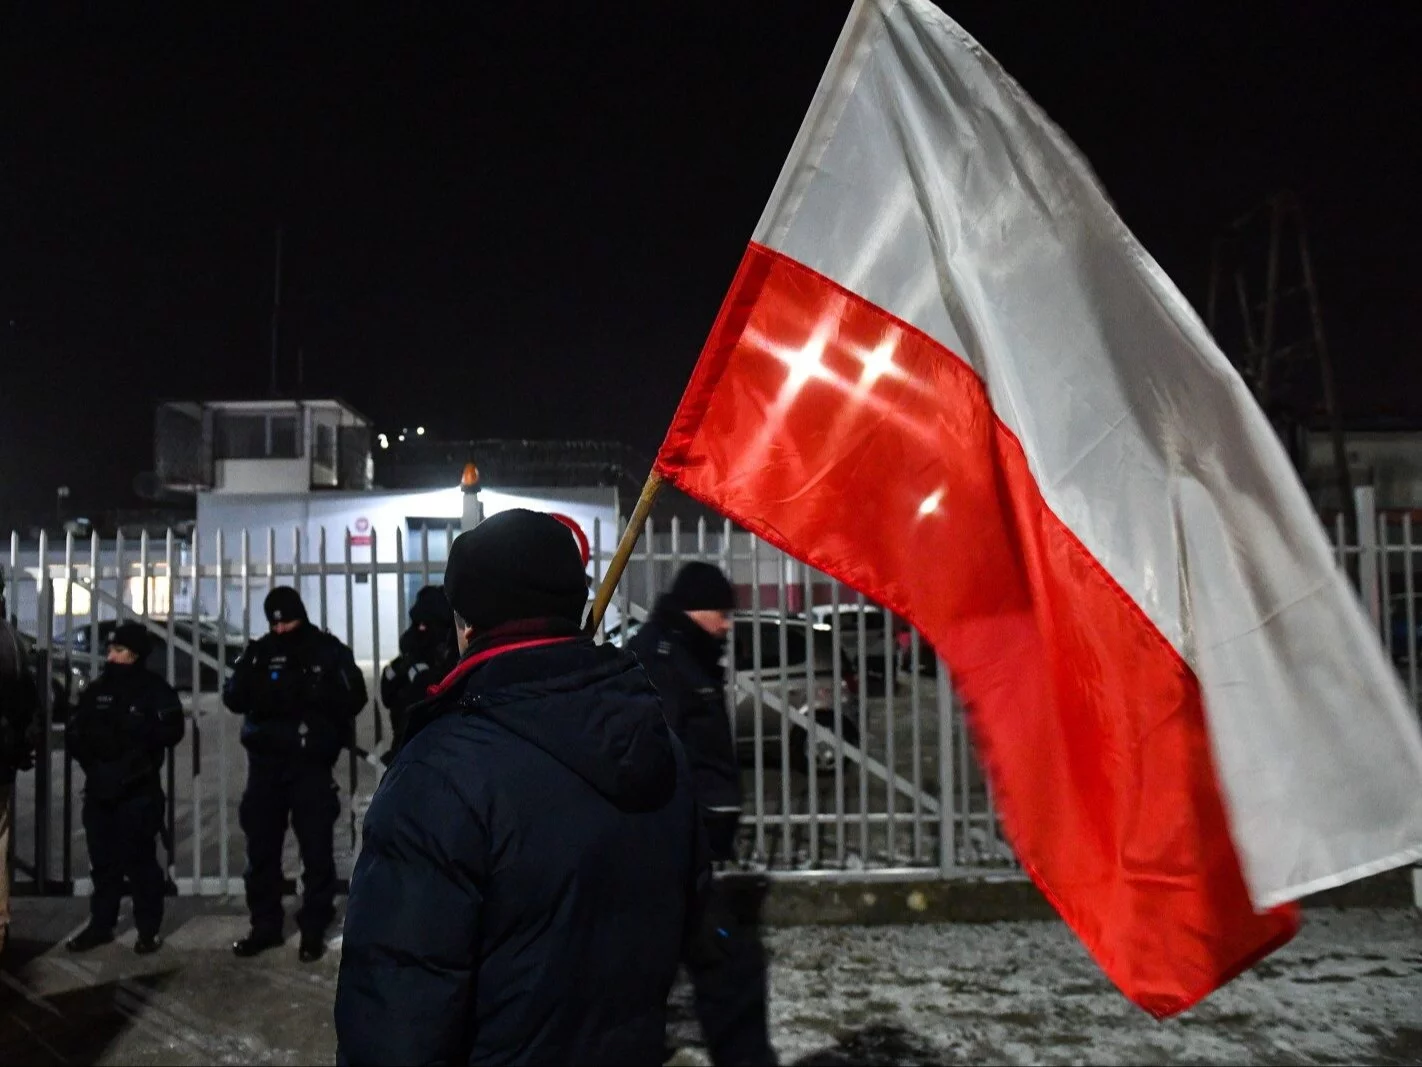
624, 551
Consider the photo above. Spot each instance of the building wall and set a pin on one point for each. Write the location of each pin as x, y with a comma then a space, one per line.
261, 475
365, 613
76, 606
1390, 461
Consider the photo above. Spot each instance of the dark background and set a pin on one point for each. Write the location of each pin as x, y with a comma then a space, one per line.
520, 222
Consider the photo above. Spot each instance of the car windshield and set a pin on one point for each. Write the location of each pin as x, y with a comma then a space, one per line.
79, 637
849, 620
796, 649
210, 629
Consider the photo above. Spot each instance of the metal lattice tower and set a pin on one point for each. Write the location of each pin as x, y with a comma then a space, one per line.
1264, 312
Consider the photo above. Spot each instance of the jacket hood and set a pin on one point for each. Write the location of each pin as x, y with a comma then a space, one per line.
590, 707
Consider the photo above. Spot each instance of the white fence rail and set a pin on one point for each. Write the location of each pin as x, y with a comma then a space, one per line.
856, 759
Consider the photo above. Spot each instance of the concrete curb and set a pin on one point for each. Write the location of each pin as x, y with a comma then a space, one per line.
845, 902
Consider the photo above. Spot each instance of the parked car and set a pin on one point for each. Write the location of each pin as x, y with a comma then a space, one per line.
803, 678
212, 635
1405, 646
878, 653
927, 658
615, 632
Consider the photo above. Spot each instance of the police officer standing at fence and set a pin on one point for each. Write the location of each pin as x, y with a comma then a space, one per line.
124, 723
681, 647
427, 654
299, 691
18, 703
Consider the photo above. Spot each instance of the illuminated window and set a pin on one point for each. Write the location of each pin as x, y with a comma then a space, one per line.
70, 599
160, 594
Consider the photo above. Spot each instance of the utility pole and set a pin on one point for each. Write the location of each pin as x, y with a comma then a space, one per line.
276, 313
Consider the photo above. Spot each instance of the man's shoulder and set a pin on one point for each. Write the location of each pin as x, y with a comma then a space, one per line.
326, 637
157, 687
427, 795
458, 760
261, 644
326, 644
458, 743
656, 640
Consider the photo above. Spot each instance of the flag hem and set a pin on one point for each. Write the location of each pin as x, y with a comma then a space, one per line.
1332, 881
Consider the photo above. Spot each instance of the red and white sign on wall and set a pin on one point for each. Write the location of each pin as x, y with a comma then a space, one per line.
360, 535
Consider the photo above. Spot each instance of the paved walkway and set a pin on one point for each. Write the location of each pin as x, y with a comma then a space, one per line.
1349, 990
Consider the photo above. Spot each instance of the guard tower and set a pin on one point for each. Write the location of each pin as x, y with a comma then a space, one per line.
261, 446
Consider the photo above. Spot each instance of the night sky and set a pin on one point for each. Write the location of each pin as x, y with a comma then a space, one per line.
520, 223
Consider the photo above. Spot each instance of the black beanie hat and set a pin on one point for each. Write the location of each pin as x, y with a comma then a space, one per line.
134, 637
431, 608
702, 587
283, 604
516, 565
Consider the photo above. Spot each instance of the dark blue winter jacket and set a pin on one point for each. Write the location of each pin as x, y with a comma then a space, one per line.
125, 721
298, 693
521, 895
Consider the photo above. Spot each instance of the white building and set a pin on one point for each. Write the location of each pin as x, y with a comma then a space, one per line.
362, 555
283, 495
1386, 455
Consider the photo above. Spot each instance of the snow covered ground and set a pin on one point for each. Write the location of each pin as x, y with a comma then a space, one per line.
1349, 990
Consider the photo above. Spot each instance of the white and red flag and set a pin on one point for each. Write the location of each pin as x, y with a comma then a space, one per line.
947, 374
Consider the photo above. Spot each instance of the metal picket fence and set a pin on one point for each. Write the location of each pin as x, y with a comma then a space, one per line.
856, 758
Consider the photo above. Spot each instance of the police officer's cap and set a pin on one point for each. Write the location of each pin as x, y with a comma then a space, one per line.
284, 604
133, 636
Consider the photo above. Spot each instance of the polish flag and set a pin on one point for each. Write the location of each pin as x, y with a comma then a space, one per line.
948, 375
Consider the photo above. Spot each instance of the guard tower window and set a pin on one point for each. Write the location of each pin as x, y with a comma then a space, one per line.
259, 436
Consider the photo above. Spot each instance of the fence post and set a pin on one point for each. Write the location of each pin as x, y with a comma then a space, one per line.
947, 831
44, 807
1365, 504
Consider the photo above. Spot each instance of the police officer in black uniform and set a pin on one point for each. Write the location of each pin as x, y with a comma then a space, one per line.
427, 655
19, 701
299, 691
125, 721
681, 646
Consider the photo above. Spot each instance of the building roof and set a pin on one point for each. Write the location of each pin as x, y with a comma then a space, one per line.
257, 404
425, 463
1370, 424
